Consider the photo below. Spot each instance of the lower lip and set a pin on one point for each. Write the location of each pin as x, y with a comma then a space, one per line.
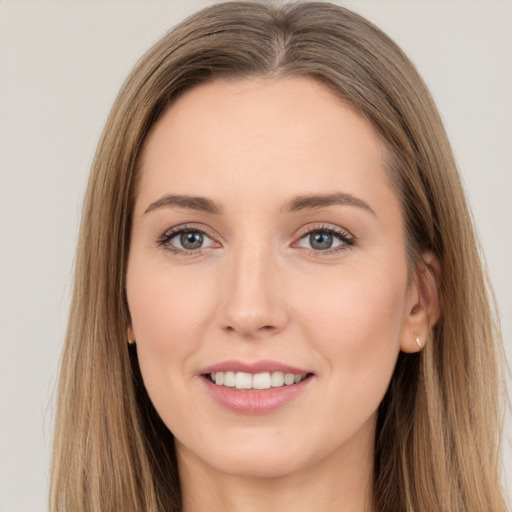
255, 401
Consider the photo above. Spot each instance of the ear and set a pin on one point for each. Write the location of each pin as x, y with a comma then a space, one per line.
130, 335
423, 308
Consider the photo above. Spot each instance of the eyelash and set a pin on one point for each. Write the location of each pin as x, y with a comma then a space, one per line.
347, 240
165, 239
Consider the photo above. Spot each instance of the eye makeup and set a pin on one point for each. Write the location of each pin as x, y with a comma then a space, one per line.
325, 240
192, 239
192, 235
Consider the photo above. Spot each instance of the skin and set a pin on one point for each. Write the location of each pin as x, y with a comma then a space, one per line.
257, 290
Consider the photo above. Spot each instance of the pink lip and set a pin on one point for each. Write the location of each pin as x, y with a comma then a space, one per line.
256, 367
254, 401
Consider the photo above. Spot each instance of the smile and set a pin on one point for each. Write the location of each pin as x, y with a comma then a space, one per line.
255, 388
258, 381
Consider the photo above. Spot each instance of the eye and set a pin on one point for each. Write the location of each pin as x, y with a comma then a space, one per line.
326, 240
186, 240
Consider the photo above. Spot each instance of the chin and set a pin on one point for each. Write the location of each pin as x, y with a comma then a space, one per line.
258, 455
262, 464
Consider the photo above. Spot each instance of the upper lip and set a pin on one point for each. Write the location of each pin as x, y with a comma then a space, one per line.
254, 367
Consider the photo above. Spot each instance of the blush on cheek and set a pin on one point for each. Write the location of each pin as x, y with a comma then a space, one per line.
166, 306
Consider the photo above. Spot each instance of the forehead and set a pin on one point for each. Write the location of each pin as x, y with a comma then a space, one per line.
291, 134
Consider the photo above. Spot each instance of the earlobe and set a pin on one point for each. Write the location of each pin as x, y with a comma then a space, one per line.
130, 335
423, 308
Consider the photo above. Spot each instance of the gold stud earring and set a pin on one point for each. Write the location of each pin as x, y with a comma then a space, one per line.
130, 341
418, 341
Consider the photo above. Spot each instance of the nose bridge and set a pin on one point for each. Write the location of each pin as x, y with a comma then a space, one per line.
253, 304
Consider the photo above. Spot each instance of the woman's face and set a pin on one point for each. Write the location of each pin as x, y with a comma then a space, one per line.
266, 243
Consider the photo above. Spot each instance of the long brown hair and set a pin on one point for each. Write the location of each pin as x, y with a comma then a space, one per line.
438, 436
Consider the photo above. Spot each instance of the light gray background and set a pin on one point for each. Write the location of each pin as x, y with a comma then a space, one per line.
61, 66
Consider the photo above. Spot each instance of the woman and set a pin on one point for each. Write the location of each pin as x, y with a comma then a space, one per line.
275, 220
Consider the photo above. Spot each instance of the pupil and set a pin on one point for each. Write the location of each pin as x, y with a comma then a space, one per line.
320, 240
191, 239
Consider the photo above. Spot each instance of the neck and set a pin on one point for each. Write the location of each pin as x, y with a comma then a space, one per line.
340, 482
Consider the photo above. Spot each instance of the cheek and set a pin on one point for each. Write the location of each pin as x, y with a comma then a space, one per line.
354, 323
166, 305
168, 310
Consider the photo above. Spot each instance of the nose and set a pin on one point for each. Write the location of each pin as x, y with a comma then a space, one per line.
253, 304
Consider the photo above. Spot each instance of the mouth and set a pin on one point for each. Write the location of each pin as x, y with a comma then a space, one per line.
245, 381
258, 387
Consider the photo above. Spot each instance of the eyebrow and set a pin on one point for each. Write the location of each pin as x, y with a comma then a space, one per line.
298, 203
310, 202
183, 201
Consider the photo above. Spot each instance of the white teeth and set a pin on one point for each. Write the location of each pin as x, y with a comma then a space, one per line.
261, 381
229, 379
243, 380
277, 379
289, 379
264, 380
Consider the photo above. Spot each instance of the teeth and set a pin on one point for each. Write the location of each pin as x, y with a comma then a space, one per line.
277, 379
261, 381
265, 380
229, 379
289, 379
243, 380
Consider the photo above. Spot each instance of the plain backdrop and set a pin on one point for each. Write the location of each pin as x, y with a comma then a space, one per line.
61, 66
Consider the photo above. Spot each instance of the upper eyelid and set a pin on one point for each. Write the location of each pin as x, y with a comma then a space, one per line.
332, 228
187, 227
300, 232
